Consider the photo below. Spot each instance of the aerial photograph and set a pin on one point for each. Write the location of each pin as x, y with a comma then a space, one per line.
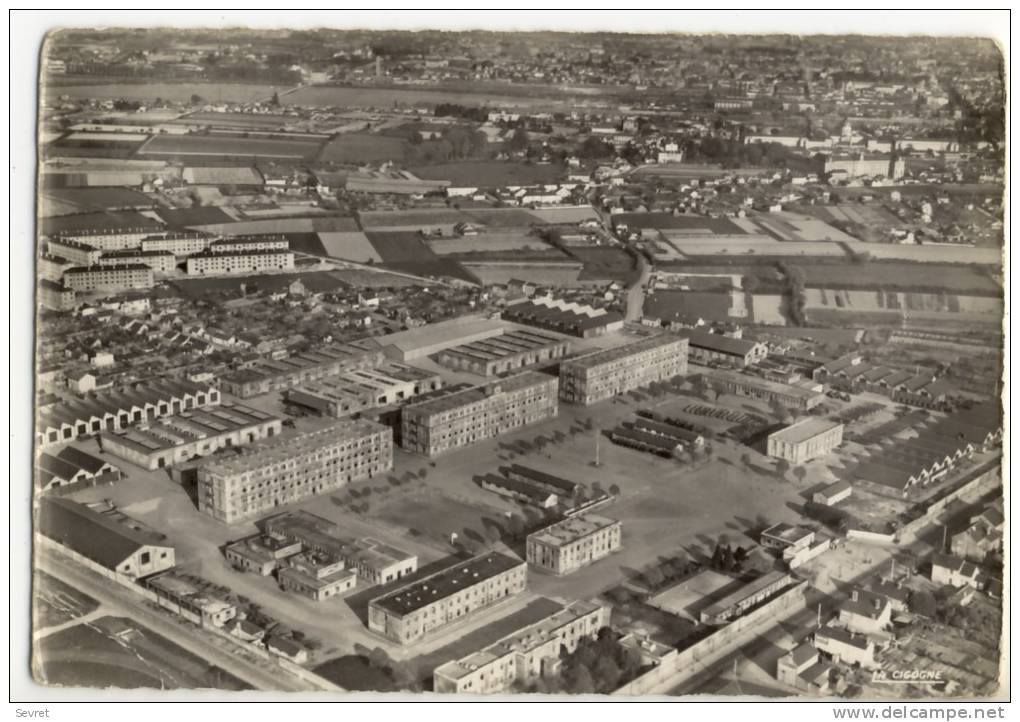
495, 362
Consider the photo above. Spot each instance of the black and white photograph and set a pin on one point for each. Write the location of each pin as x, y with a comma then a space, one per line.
505, 363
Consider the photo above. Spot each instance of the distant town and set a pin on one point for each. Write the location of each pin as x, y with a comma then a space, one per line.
490, 363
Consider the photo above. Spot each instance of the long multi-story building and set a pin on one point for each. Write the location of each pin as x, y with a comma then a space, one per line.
568, 545
113, 239
506, 352
116, 410
158, 261
175, 439
805, 440
361, 389
76, 252
523, 655
180, 244
240, 244
239, 261
279, 375
448, 596
603, 374
109, 278
462, 415
285, 470
55, 296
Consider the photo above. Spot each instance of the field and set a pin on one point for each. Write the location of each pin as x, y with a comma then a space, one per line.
362, 148
352, 245
269, 226
338, 96
898, 302
174, 92
487, 242
226, 146
985, 255
893, 275
54, 602
756, 247
436, 517
489, 173
405, 251
609, 264
373, 278
503, 217
238, 120
567, 214
690, 596
410, 220
563, 274
82, 200
796, 227
116, 652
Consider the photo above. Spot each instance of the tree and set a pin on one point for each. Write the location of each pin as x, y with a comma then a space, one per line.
197, 99
800, 472
745, 460
607, 673
782, 466
519, 140
654, 578
923, 603
275, 102
581, 681
614, 489
378, 658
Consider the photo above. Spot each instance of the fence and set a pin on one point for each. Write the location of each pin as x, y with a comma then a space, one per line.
711, 649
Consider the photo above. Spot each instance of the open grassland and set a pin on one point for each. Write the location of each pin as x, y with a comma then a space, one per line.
225, 146
362, 148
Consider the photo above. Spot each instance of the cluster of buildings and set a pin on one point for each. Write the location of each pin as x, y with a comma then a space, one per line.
360, 389
566, 317
800, 396
853, 374
657, 434
507, 352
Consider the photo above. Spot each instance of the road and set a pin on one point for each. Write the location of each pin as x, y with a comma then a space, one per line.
636, 293
260, 674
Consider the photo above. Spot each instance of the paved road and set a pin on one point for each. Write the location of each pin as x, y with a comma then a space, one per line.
636, 293
260, 674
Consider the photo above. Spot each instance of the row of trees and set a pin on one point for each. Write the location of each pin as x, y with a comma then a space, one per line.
596, 666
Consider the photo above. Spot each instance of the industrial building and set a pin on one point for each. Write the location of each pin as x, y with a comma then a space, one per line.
108, 543
238, 261
373, 561
575, 542
601, 375
417, 343
172, 440
361, 389
806, 439
284, 470
564, 488
518, 491
802, 398
572, 319
507, 352
524, 655
705, 347
656, 434
413, 611
268, 375
116, 410
71, 466
462, 415
122, 277
833, 493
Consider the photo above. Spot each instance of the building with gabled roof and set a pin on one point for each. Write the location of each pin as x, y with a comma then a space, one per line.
102, 541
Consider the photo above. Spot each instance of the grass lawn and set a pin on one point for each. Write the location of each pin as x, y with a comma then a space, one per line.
353, 672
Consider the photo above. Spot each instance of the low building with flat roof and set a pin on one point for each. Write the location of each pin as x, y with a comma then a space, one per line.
361, 389
463, 415
447, 596
518, 491
604, 374
783, 536
705, 347
260, 554
806, 439
507, 352
802, 398
833, 493
568, 545
750, 595
172, 440
284, 470
316, 575
523, 655
183, 595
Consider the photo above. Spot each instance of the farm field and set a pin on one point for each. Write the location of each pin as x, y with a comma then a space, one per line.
373, 278
984, 255
797, 227
898, 302
362, 148
610, 264
269, 226
80, 200
567, 214
405, 251
239, 120
321, 96
224, 146
489, 173
117, 652
563, 274
891, 275
351, 245
753, 247
410, 220
498, 218
174, 92
487, 242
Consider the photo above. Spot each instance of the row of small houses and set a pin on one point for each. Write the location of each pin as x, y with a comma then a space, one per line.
657, 434
70, 419
852, 374
531, 486
934, 452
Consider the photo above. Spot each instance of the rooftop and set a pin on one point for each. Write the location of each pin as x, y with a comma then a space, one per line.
597, 358
719, 343
570, 530
456, 397
449, 332
444, 583
804, 430
745, 592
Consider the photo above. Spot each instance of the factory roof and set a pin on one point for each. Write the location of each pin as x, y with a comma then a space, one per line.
456, 397
719, 343
805, 429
